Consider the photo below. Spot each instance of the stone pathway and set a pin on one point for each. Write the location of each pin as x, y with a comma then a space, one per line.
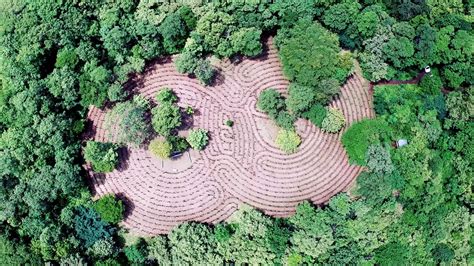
241, 164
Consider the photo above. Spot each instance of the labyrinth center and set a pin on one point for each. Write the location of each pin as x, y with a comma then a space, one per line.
241, 164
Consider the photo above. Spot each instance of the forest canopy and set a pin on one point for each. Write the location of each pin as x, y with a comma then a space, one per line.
413, 204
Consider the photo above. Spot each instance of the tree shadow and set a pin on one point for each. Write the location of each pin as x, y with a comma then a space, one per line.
129, 205
89, 130
124, 155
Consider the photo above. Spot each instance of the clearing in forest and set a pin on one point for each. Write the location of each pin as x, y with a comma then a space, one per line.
241, 164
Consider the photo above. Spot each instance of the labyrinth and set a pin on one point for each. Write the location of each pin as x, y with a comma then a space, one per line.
241, 164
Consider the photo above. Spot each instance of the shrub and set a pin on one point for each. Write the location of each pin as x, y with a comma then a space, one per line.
357, 139
198, 138
189, 110
316, 114
229, 123
165, 118
285, 120
178, 144
378, 160
431, 84
166, 95
102, 156
334, 121
160, 148
110, 209
288, 140
116, 93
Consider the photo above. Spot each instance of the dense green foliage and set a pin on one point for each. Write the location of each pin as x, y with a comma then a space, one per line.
126, 122
287, 140
110, 209
166, 117
198, 138
59, 57
334, 121
102, 156
316, 114
160, 148
360, 135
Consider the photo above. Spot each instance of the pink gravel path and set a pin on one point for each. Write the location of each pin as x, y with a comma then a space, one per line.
241, 164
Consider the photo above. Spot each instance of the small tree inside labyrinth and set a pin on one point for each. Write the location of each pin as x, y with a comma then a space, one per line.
160, 148
288, 140
334, 121
198, 138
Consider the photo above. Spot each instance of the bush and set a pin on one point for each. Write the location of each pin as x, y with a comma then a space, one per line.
198, 138
316, 114
288, 140
357, 139
285, 120
229, 123
378, 160
159, 250
110, 209
166, 95
165, 118
178, 144
160, 148
334, 121
102, 156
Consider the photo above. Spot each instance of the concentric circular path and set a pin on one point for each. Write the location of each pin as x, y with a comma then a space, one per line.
241, 164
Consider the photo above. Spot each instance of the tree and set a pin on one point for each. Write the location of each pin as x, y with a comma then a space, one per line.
137, 253
316, 114
309, 42
126, 122
165, 118
160, 148
300, 98
102, 248
247, 41
334, 121
193, 244
271, 102
159, 250
110, 209
174, 32
357, 139
102, 156
89, 227
378, 160
339, 16
204, 71
166, 95
288, 140
198, 138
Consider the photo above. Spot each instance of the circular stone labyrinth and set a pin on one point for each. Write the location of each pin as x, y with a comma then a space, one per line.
241, 164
